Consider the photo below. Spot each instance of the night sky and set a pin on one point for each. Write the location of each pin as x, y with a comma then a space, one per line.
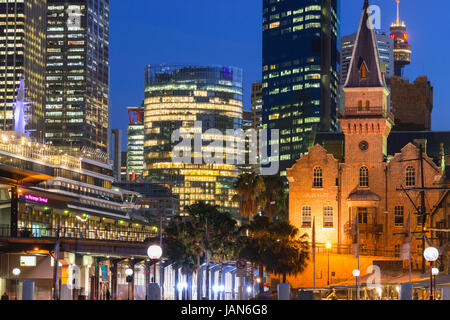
229, 32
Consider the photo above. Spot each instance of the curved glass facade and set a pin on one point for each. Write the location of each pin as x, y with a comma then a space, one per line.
175, 98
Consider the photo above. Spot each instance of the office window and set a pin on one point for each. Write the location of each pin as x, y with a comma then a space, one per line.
364, 177
399, 216
410, 176
318, 178
328, 217
306, 217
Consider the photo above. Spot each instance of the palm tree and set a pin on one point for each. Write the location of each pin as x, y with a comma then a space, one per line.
184, 247
289, 253
273, 196
249, 189
223, 245
275, 246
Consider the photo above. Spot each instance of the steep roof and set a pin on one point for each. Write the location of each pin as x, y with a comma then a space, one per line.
365, 53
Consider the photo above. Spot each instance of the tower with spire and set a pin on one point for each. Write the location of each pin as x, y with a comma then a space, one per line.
366, 99
402, 49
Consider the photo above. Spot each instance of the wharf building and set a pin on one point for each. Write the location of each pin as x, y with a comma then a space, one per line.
49, 197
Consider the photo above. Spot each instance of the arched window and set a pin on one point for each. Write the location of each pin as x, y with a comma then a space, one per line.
328, 217
318, 178
410, 176
360, 105
364, 177
306, 217
367, 104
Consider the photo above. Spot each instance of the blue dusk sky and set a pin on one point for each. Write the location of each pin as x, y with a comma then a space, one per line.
229, 32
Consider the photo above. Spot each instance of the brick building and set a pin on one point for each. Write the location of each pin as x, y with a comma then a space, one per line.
412, 103
363, 186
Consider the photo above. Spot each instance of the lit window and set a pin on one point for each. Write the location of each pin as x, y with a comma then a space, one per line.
362, 215
306, 217
318, 178
398, 216
363, 71
410, 176
328, 217
364, 177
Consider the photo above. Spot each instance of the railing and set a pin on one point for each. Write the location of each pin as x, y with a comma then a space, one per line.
371, 111
80, 233
364, 251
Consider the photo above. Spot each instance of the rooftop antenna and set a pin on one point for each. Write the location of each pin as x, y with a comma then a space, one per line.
398, 12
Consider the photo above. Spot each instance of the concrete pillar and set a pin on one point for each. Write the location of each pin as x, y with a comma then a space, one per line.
153, 291
28, 290
406, 291
284, 291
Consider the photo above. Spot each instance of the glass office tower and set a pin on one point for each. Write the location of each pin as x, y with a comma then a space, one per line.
176, 97
77, 79
22, 55
300, 73
135, 144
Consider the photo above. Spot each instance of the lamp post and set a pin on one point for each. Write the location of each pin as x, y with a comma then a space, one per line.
154, 253
431, 254
328, 246
16, 272
356, 274
435, 273
129, 273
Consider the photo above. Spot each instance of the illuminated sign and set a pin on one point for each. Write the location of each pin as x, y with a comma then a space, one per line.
36, 199
28, 261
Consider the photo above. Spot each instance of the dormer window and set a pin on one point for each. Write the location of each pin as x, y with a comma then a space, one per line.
363, 70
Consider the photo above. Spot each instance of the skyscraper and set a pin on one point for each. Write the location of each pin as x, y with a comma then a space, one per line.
402, 49
300, 73
135, 143
175, 98
22, 55
77, 79
385, 46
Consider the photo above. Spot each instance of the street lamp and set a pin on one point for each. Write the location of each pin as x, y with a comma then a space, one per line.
328, 246
356, 274
435, 273
16, 272
154, 252
431, 254
129, 273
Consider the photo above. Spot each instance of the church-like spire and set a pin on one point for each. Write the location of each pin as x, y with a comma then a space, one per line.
364, 70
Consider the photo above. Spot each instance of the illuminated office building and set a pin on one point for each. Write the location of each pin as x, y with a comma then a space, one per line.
22, 55
300, 73
135, 144
77, 78
176, 97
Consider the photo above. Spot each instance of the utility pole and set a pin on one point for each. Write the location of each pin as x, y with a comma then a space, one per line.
56, 260
422, 205
207, 259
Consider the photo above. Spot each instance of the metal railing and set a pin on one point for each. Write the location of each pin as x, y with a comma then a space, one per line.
80, 233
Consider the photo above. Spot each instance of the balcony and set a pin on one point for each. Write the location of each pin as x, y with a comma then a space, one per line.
363, 112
